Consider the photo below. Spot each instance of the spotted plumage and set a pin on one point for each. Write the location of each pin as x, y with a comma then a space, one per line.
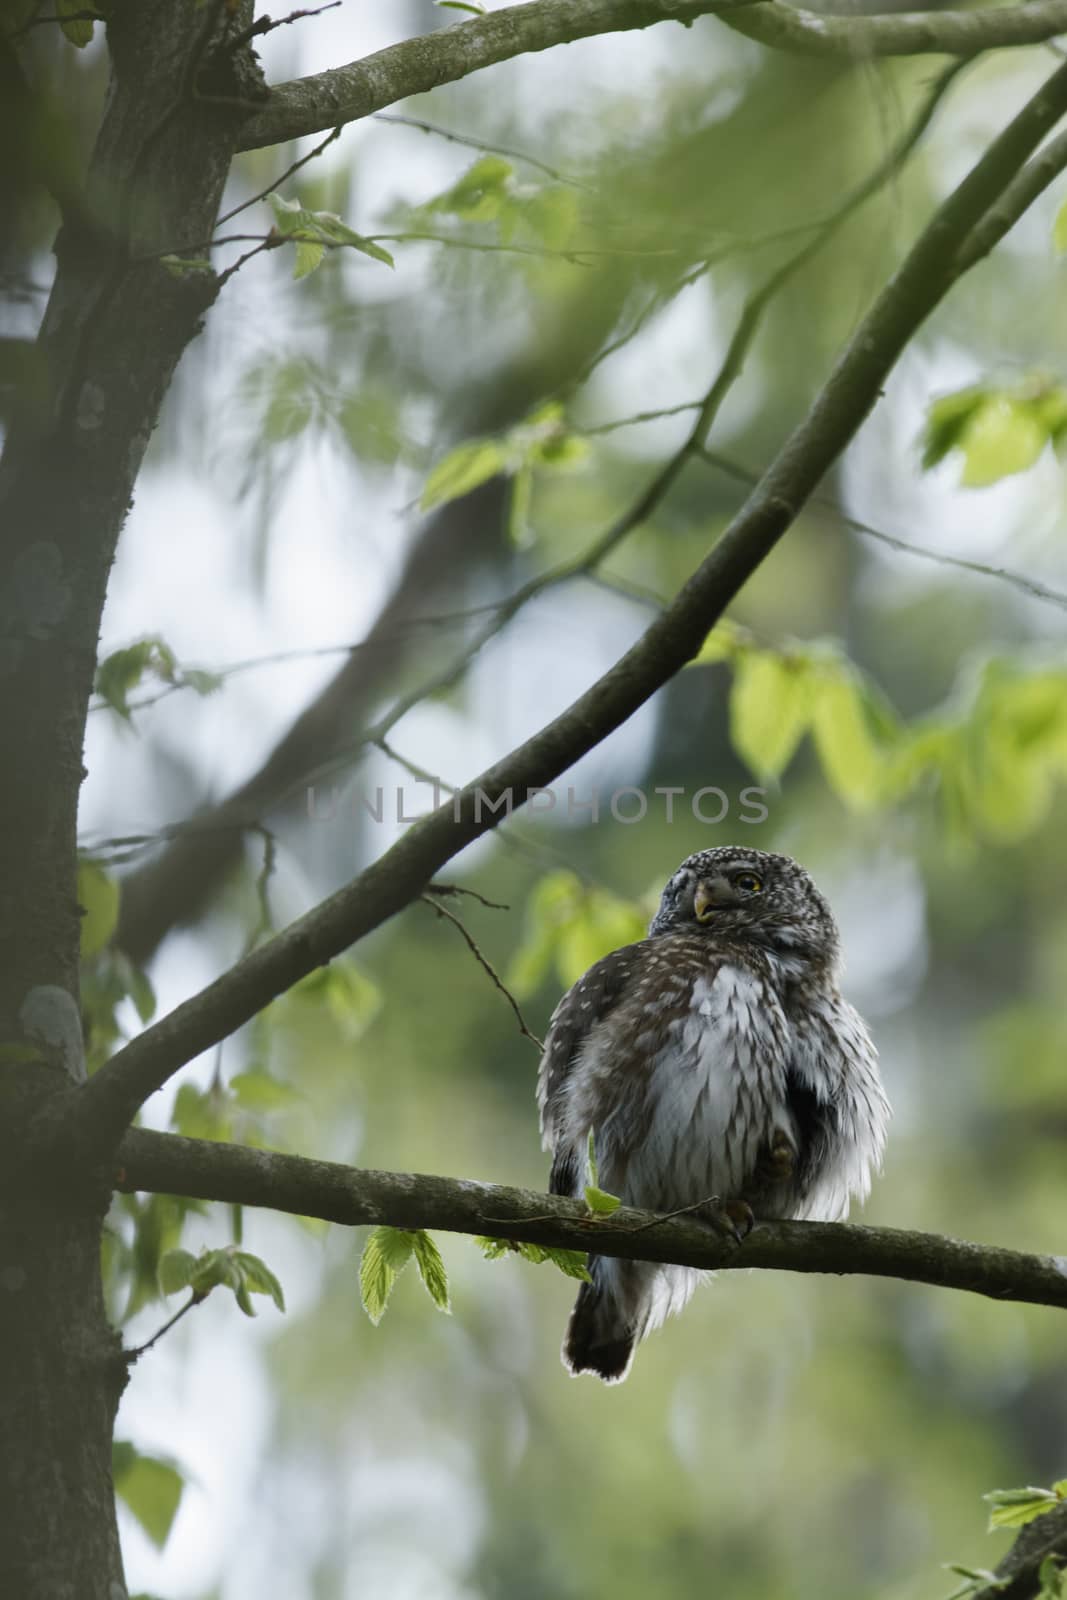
715, 1058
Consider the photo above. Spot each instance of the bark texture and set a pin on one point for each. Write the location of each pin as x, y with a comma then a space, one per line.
116, 325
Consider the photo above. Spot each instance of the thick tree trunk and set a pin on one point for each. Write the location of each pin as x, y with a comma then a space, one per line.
61, 1375
116, 325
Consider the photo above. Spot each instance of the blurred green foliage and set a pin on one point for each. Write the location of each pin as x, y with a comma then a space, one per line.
790, 1438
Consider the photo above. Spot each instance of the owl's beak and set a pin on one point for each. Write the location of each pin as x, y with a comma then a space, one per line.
711, 895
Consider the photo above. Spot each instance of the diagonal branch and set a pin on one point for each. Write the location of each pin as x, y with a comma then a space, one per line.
414, 66
166, 1164
110, 1099
361, 88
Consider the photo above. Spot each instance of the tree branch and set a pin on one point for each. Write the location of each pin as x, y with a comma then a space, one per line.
112, 1096
1019, 1570
415, 65
957, 33
166, 1164
361, 88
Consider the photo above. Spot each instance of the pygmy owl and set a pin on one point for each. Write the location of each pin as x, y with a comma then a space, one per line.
717, 1066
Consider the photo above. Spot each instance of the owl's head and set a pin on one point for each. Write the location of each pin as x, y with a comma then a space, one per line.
749, 895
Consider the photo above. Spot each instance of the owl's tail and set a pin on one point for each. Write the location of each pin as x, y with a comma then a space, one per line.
613, 1313
599, 1339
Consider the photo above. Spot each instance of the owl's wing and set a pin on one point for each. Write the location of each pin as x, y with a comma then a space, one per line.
591, 999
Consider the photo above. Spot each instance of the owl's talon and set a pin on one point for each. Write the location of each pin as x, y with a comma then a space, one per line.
732, 1219
742, 1217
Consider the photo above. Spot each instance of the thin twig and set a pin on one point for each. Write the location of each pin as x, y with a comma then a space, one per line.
443, 911
265, 922
461, 888
1017, 580
267, 244
288, 173
483, 145
682, 1211
267, 24
130, 1356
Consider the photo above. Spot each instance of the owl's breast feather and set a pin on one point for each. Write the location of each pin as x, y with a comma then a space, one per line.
712, 1081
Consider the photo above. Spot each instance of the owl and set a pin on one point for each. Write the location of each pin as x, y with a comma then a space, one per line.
717, 1068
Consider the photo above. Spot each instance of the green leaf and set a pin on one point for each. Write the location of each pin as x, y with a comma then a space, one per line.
590, 1158
1050, 1577
599, 1201
570, 926
463, 469
562, 452
201, 682
431, 1269
1059, 230
551, 213
230, 1268
331, 227
770, 709
724, 643
202, 1113
98, 896
998, 431
850, 755
313, 231
258, 1091
309, 256
1014, 1508
946, 420
472, 6
150, 1487
78, 30
176, 1271
124, 669
977, 1578
520, 533
570, 1262
257, 1277
479, 193
140, 991
1004, 436
385, 1255
349, 997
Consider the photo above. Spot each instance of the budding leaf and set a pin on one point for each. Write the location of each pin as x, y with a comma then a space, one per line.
258, 1278
600, 1201
431, 1269
176, 1269
1014, 1508
570, 1262
385, 1255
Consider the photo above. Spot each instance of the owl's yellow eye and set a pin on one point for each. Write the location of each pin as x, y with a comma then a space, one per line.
748, 882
